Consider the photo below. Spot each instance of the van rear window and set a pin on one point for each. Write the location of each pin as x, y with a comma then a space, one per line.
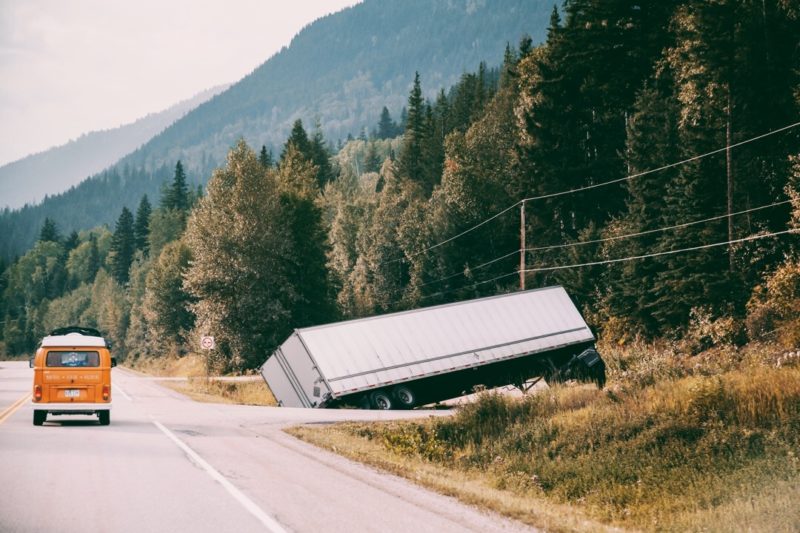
73, 359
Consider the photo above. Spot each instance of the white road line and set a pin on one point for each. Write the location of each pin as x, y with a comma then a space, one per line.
246, 502
120, 390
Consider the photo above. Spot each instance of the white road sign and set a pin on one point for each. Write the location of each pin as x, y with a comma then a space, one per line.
207, 343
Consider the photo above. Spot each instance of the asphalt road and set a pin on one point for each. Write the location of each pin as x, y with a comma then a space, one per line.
167, 463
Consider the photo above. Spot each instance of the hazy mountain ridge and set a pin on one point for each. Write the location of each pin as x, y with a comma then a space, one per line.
341, 70
57, 169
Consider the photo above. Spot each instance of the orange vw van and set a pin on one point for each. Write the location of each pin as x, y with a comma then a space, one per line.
72, 375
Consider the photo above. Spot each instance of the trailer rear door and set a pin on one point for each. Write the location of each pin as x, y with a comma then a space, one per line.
293, 376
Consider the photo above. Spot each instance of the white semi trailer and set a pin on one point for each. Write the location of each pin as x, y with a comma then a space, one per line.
405, 359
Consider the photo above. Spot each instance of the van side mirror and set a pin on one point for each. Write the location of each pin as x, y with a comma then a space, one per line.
113, 362
30, 362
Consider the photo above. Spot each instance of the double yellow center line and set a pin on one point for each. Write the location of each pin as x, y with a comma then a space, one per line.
5, 415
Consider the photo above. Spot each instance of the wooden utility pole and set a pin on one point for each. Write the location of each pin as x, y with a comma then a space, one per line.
522, 246
729, 176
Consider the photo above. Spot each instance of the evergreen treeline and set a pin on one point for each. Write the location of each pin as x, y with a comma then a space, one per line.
619, 92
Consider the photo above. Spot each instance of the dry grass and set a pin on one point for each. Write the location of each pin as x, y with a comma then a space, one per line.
471, 487
190, 365
673, 443
199, 386
233, 392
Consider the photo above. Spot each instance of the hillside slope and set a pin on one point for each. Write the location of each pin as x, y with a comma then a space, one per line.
55, 170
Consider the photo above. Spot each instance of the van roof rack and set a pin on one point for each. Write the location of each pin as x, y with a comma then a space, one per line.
90, 332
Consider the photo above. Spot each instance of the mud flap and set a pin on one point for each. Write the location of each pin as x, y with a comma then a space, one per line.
586, 366
589, 366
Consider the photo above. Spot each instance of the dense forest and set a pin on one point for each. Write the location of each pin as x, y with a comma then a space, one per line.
338, 72
652, 149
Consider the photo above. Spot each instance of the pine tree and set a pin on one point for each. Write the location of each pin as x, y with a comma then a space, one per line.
71, 243
123, 246
297, 182
412, 164
141, 228
320, 157
166, 305
380, 275
442, 119
508, 72
265, 157
93, 262
575, 95
387, 128
477, 183
652, 142
177, 195
372, 161
727, 56
49, 232
299, 139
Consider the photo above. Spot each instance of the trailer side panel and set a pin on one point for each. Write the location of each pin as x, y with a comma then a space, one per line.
362, 354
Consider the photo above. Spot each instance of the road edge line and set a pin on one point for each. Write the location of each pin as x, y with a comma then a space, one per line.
270, 523
5, 415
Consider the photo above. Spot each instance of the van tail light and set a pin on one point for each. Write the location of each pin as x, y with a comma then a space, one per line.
106, 392
37, 393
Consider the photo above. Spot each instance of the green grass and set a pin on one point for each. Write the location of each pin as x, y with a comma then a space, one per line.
673, 443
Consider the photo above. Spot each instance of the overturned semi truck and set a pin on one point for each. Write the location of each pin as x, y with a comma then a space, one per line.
402, 360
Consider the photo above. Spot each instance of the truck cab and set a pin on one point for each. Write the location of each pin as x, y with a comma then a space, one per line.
72, 375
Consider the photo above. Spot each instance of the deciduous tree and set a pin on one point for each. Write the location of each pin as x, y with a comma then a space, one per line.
240, 274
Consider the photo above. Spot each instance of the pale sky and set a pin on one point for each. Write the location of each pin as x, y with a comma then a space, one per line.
68, 67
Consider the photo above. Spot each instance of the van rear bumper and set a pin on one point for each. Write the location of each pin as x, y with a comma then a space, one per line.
71, 408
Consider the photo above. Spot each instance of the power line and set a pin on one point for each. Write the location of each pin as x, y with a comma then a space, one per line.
665, 167
476, 226
594, 186
487, 263
668, 252
595, 241
466, 287
617, 237
640, 233
608, 261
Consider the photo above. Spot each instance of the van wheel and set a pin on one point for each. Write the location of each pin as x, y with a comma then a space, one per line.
381, 400
39, 417
405, 397
105, 417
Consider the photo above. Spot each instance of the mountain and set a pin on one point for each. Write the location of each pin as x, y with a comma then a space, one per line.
342, 69
57, 169
338, 71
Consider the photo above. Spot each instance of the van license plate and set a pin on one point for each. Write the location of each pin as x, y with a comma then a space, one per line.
72, 393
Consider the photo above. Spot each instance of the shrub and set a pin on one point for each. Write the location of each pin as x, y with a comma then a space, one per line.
705, 331
774, 307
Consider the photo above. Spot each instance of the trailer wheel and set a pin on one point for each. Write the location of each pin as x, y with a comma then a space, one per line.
405, 397
381, 400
